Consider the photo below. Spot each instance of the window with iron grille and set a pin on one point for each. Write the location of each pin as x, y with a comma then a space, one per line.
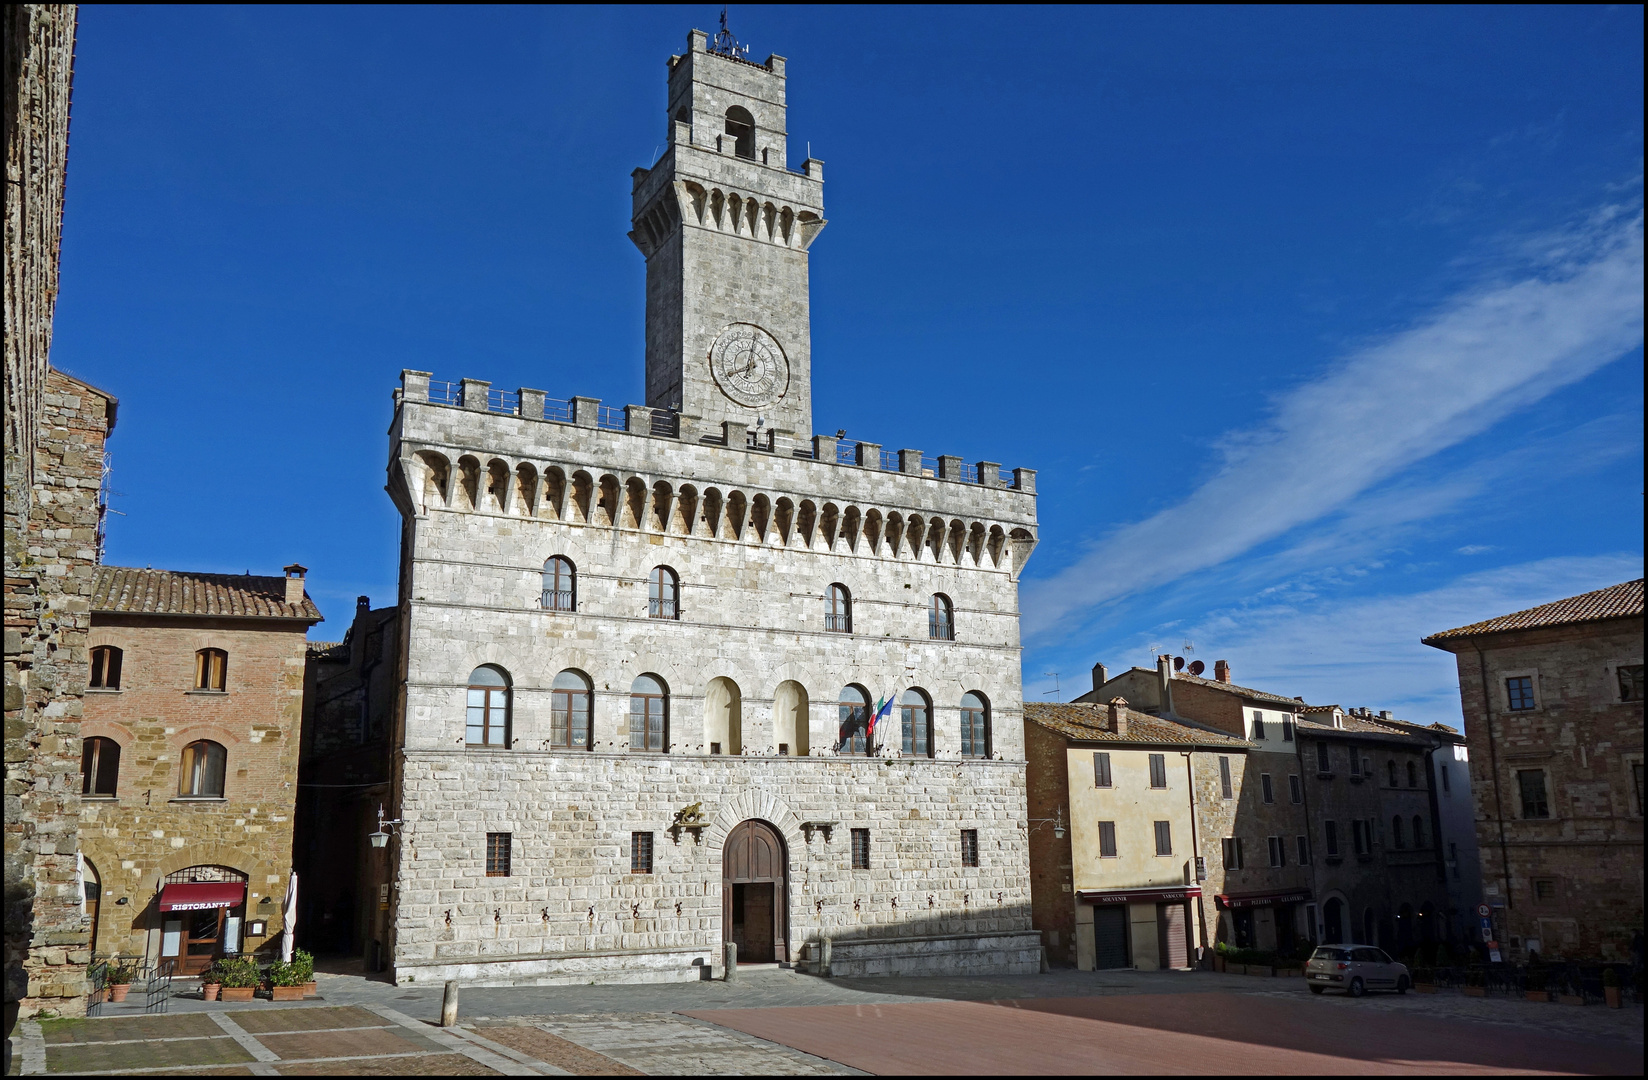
1304, 850
969, 847
663, 594
941, 619
1630, 682
211, 669
861, 849
1258, 724
1296, 788
1532, 785
1158, 770
1544, 890
1164, 838
838, 610
1278, 850
1520, 693
1267, 791
1101, 770
497, 854
1107, 839
640, 853
560, 585
1232, 849
105, 673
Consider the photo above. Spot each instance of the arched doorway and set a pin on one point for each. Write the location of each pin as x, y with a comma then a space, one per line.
1333, 921
202, 911
91, 884
754, 893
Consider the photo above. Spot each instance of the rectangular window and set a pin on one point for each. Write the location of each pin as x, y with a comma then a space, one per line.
1303, 847
1224, 777
1520, 693
1630, 681
1232, 853
1544, 890
861, 849
1268, 792
969, 847
1330, 838
1107, 839
640, 853
1296, 788
497, 854
1636, 778
1324, 763
1258, 724
1532, 784
1287, 729
105, 673
1164, 838
1361, 837
1447, 784
1278, 850
1158, 770
1101, 770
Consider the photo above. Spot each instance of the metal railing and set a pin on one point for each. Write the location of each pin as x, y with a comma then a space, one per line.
929, 466
889, 461
666, 424
846, 453
611, 419
503, 401
557, 409
157, 987
558, 600
97, 979
1005, 475
661, 608
969, 474
839, 624
804, 452
445, 393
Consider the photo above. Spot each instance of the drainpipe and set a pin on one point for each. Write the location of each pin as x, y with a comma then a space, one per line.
1493, 762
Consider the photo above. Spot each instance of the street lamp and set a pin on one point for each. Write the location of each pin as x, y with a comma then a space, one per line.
1057, 821
381, 837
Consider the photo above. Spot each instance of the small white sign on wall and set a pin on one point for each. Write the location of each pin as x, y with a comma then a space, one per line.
171, 937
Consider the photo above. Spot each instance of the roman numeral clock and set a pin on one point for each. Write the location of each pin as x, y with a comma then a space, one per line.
749, 366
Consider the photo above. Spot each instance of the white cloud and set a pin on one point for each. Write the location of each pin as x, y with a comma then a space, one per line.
1386, 406
1475, 549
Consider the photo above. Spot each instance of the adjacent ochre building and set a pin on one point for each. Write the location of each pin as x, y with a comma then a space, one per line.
642, 649
1552, 698
189, 760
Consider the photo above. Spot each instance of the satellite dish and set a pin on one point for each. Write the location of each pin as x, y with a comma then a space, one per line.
1178, 663
1197, 667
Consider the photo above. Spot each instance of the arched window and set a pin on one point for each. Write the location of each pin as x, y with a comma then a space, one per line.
569, 698
99, 766
917, 714
741, 126
560, 584
855, 721
941, 619
975, 726
663, 594
106, 668
1396, 832
1413, 775
649, 714
1418, 831
487, 723
1392, 766
211, 669
204, 763
838, 610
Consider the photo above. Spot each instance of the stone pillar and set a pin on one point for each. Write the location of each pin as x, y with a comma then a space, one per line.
734, 433
949, 467
868, 455
824, 448
909, 461
474, 394
1024, 479
414, 385
638, 419
584, 410
989, 473
532, 403
783, 442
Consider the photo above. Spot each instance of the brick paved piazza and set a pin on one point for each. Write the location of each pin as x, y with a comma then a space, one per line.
776, 1022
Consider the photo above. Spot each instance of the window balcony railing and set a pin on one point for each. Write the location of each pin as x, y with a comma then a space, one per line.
838, 624
557, 600
658, 608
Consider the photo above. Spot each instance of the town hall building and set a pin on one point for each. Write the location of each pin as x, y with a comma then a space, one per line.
686, 675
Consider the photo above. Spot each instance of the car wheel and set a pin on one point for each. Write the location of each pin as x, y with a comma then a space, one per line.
1402, 985
1357, 989
1316, 989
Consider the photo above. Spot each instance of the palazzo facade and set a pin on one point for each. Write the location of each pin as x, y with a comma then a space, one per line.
643, 649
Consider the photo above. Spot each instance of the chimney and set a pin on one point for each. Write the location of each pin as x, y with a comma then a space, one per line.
1100, 677
1164, 682
363, 604
294, 584
1221, 670
1384, 714
1118, 715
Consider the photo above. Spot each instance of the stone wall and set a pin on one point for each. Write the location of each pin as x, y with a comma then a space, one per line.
146, 831
1052, 859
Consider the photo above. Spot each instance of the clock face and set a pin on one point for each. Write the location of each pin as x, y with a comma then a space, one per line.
749, 365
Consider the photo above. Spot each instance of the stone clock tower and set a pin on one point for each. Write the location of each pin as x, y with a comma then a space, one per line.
725, 227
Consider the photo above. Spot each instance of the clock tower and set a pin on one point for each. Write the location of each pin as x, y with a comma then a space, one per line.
725, 226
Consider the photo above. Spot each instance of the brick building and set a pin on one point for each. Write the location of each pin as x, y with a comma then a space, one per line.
1552, 698
1128, 815
54, 428
189, 760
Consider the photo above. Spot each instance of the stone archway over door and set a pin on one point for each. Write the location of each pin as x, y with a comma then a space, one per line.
754, 893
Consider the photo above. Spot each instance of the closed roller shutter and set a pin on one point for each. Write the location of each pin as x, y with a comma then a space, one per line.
1110, 936
1170, 930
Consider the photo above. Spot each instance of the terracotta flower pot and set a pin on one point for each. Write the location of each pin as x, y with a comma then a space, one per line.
309, 989
238, 993
286, 993
1571, 999
1470, 991
118, 991
209, 991
1610, 994
1424, 988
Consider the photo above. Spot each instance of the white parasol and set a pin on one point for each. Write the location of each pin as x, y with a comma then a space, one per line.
289, 918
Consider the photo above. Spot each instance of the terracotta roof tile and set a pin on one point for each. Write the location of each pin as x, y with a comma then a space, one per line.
1239, 691
172, 592
1088, 723
1622, 601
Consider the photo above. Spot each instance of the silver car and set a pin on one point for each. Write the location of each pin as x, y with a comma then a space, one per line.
1355, 969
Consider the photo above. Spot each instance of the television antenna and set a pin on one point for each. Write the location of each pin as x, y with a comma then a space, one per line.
724, 44
1055, 692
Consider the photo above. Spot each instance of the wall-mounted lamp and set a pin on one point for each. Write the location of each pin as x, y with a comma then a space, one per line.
381, 837
122, 900
267, 901
1057, 821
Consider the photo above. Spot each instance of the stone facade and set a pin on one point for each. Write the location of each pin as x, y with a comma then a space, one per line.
1558, 771
47, 547
519, 858
151, 826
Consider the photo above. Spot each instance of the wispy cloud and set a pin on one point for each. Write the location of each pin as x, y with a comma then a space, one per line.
1566, 304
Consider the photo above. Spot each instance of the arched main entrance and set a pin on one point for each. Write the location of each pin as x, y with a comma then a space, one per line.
1333, 921
755, 893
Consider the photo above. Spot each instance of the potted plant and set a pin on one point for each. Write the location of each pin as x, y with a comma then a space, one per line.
1219, 962
1610, 987
1535, 987
1476, 983
239, 977
305, 963
121, 974
209, 986
285, 981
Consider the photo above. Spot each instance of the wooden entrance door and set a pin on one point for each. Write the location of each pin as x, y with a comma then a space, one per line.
1110, 936
202, 933
754, 893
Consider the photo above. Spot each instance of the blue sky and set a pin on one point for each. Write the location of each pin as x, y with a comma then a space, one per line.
1323, 327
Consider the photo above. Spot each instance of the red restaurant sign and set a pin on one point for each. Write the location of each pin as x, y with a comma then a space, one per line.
201, 895
1142, 896
1262, 901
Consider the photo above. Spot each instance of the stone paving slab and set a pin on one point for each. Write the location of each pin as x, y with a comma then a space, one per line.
109, 1056
660, 1044
424, 1065
286, 1020
57, 1032
563, 1053
355, 1042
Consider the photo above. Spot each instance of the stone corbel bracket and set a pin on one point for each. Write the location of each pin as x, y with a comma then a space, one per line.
825, 827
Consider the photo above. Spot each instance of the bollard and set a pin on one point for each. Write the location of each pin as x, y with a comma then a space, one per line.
730, 965
449, 1004
824, 956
